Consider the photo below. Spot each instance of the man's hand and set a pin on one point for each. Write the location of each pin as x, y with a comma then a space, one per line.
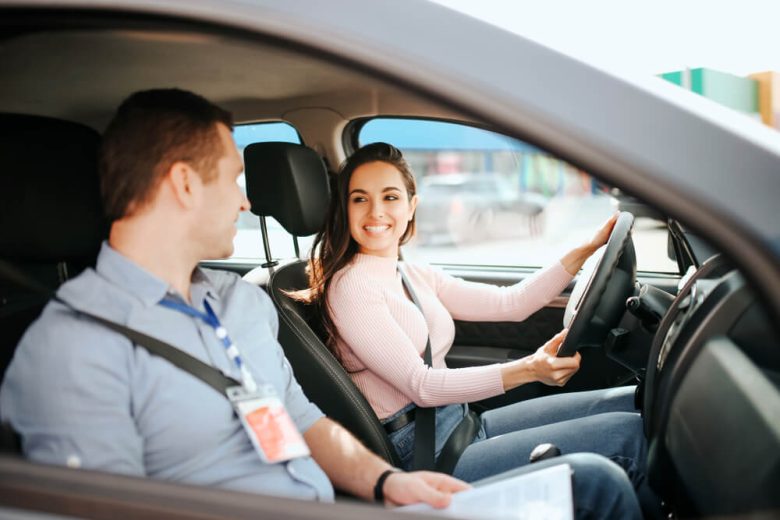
434, 489
354, 469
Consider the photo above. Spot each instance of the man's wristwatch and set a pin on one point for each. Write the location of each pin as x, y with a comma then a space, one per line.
379, 492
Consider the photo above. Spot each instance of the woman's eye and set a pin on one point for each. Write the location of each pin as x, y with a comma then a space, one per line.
358, 199
391, 197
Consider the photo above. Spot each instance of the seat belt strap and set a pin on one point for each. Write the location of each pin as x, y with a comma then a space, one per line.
424, 457
180, 359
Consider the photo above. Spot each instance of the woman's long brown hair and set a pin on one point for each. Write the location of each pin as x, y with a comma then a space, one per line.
333, 247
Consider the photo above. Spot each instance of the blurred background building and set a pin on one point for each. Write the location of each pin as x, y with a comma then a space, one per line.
757, 95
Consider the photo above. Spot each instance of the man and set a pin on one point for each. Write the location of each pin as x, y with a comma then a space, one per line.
83, 395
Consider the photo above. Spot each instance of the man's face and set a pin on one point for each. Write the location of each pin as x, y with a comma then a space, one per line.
222, 202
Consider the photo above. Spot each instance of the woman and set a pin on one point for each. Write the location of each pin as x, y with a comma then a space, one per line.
378, 334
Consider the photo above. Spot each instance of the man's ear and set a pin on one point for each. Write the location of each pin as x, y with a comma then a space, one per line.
184, 183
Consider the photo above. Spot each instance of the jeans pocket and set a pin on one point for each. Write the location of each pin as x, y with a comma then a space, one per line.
403, 441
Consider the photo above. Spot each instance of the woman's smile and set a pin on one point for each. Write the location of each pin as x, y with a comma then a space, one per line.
377, 229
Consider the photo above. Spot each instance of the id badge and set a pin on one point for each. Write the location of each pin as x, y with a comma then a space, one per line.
267, 423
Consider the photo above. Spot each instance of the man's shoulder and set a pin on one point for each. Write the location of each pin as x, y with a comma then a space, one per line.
66, 319
61, 341
64, 326
91, 293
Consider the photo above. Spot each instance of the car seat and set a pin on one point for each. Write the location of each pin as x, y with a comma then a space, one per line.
52, 219
290, 183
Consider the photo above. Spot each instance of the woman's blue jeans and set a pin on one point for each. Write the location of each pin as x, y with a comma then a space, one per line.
604, 422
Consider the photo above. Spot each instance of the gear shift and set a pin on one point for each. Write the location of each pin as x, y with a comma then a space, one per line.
543, 452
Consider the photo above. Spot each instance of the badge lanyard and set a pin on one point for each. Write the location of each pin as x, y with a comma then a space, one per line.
210, 318
262, 413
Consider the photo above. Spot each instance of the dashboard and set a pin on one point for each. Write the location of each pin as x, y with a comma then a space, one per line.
712, 398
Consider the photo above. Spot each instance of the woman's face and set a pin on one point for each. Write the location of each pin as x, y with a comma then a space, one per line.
378, 208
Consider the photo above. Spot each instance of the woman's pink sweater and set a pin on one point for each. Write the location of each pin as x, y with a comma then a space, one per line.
383, 334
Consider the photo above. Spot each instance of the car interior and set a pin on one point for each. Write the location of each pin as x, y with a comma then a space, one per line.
704, 353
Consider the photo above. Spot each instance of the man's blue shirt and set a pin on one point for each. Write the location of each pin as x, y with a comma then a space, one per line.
84, 396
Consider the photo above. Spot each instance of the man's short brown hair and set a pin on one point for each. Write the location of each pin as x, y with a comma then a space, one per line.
151, 131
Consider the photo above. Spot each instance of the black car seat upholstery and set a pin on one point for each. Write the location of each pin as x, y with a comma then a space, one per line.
290, 183
51, 218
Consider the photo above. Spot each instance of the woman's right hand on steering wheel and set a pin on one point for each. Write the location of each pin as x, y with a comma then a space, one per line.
574, 259
543, 366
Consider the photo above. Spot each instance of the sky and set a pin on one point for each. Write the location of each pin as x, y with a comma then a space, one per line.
645, 36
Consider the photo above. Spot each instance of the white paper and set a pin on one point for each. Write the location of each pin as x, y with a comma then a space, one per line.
545, 494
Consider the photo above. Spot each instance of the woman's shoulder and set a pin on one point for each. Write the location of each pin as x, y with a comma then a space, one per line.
415, 266
353, 276
365, 274
422, 271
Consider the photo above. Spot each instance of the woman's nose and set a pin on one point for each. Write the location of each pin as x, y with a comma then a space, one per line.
377, 209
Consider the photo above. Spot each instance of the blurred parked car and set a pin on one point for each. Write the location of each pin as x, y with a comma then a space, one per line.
459, 208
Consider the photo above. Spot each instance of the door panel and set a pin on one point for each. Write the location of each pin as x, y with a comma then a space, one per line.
524, 336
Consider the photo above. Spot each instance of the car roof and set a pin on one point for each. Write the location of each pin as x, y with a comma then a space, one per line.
691, 158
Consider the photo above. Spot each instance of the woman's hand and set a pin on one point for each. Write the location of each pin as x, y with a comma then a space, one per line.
542, 366
574, 259
550, 369
603, 233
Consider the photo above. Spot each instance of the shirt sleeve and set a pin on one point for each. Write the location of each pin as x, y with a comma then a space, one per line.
470, 301
372, 334
302, 411
67, 392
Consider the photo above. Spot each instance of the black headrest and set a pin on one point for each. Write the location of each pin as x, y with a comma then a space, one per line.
49, 196
288, 182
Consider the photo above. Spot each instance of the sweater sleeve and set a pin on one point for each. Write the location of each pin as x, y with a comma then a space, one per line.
471, 301
372, 334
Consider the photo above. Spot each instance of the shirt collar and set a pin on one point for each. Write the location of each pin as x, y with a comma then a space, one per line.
203, 285
120, 270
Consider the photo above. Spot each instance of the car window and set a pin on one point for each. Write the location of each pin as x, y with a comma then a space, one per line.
248, 242
489, 199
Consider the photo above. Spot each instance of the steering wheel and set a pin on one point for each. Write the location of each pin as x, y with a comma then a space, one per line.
598, 300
